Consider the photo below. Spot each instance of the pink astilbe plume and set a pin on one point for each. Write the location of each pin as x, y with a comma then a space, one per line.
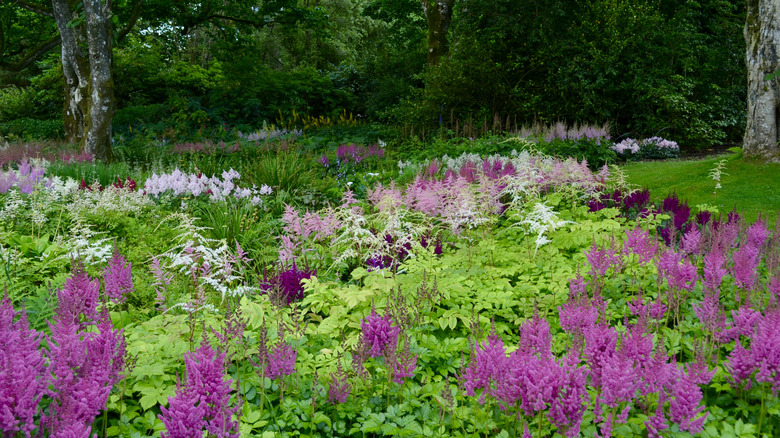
22, 368
118, 277
641, 243
202, 405
684, 406
339, 388
746, 260
84, 366
402, 364
487, 367
577, 314
78, 297
281, 361
379, 334
680, 274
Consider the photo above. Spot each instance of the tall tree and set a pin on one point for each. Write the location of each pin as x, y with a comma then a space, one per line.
438, 14
762, 37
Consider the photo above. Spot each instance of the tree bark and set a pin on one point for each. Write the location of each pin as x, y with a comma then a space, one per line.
762, 38
102, 104
438, 14
75, 69
89, 88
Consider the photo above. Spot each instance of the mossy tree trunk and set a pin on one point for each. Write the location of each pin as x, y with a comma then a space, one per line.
86, 65
762, 37
438, 15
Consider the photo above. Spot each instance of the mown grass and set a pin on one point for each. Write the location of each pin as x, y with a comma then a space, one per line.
753, 187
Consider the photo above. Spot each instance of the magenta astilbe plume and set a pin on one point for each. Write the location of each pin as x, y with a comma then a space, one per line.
601, 259
757, 234
22, 368
402, 365
711, 314
641, 243
379, 334
202, 405
745, 267
765, 350
680, 274
684, 406
535, 337
713, 269
569, 405
286, 286
281, 361
691, 241
339, 388
118, 277
600, 343
487, 368
79, 296
84, 366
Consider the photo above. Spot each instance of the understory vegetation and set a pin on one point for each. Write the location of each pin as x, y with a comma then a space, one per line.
272, 285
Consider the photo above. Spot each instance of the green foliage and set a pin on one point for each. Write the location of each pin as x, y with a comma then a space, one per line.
32, 129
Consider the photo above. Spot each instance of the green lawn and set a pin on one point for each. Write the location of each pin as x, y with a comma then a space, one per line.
750, 186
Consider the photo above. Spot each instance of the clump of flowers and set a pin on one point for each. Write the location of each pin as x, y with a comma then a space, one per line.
179, 183
379, 334
22, 368
202, 403
285, 287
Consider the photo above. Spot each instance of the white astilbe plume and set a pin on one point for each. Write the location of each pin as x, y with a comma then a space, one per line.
209, 262
109, 200
619, 181
83, 243
717, 172
354, 234
541, 220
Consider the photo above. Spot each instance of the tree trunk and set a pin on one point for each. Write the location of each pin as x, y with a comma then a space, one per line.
102, 104
762, 37
75, 68
89, 88
438, 14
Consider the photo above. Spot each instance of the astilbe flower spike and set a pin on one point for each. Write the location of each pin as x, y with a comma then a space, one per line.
118, 277
378, 334
281, 361
339, 388
22, 368
84, 365
202, 405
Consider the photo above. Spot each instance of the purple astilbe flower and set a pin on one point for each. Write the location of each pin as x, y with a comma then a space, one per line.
402, 365
774, 289
379, 334
640, 243
535, 337
691, 241
741, 365
286, 287
713, 269
118, 277
84, 366
281, 361
684, 406
746, 260
765, 349
619, 380
324, 160
570, 404
657, 422
637, 200
22, 368
703, 217
757, 234
488, 366
202, 405
339, 388
680, 274
711, 314
600, 343
745, 320
601, 259
79, 296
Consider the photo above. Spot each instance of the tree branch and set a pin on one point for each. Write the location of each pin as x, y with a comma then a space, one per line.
33, 8
134, 15
34, 54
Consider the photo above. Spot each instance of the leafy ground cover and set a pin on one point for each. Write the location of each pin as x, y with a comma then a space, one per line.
262, 288
748, 186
